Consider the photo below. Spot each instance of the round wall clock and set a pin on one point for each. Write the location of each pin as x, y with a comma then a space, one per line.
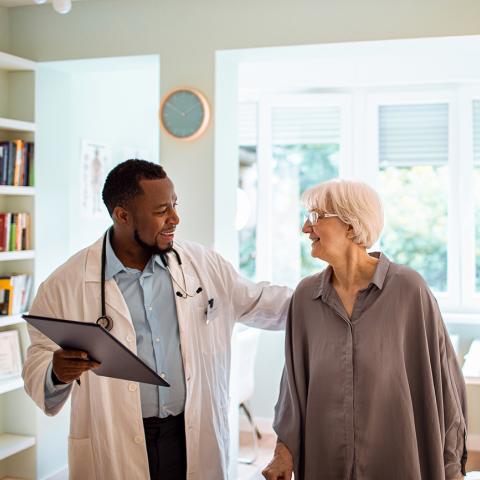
184, 113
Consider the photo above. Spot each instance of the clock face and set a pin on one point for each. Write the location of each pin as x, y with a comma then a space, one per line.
184, 114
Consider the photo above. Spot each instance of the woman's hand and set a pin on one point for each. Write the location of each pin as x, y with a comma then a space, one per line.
281, 466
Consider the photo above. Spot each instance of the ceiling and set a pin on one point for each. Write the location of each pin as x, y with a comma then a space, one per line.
18, 3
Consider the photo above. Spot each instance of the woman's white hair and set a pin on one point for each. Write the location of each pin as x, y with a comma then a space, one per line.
355, 203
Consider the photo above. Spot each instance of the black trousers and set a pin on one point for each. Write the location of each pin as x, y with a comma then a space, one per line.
166, 447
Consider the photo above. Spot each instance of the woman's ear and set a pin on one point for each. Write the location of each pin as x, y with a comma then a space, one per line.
349, 232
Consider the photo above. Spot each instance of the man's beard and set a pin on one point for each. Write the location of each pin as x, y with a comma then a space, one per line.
151, 249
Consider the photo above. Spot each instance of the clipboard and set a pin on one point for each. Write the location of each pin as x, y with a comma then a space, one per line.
117, 361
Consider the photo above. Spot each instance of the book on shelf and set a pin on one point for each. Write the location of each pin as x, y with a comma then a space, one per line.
15, 293
17, 163
15, 232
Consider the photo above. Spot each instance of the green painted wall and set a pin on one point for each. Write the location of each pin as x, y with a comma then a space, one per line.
4, 30
187, 33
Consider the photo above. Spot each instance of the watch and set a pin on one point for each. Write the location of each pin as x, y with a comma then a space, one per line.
184, 113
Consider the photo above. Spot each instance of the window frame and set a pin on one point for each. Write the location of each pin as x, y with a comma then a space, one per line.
451, 298
470, 301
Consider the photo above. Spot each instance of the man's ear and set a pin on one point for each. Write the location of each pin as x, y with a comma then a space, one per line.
121, 215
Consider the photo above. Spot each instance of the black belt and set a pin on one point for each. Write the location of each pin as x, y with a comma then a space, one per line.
154, 421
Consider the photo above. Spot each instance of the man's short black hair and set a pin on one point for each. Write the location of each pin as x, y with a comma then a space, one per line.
123, 182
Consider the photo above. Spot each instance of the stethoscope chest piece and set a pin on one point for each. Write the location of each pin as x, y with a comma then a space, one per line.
105, 322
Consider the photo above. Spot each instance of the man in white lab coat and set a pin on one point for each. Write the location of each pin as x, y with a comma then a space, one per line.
174, 304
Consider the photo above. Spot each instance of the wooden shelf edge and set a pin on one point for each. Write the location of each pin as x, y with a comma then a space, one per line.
18, 191
7, 320
472, 381
11, 444
14, 63
461, 318
16, 125
17, 255
10, 384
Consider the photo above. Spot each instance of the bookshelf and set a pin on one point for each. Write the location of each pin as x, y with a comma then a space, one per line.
18, 415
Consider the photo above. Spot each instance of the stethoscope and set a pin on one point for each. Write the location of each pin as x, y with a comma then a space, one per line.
106, 321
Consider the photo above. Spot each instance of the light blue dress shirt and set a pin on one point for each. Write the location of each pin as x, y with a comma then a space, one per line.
150, 298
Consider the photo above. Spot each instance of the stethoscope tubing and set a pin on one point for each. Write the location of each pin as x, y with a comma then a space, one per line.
104, 320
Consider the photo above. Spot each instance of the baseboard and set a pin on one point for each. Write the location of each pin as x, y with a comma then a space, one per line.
61, 474
264, 424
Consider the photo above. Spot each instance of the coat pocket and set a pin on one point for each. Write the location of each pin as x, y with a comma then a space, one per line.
80, 459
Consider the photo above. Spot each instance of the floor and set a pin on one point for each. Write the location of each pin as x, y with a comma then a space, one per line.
254, 471
267, 444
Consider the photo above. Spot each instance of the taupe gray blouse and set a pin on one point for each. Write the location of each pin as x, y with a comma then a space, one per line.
375, 397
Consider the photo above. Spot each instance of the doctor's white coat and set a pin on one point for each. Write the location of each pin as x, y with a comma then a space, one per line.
106, 430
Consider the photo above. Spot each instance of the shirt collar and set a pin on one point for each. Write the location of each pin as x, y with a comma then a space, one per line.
378, 278
114, 265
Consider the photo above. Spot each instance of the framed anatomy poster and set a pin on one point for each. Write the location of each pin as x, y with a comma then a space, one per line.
95, 161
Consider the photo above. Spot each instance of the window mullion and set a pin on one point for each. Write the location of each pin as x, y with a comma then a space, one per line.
466, 215
264, 222
454, 277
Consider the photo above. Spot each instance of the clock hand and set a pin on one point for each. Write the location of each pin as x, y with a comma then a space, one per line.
175, 109
192, 109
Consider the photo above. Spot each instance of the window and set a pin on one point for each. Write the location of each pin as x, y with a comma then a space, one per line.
414, 145
413, 171
305, 151
286, 145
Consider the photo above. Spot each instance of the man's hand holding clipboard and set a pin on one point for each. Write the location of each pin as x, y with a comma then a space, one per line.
68, 365
87, 346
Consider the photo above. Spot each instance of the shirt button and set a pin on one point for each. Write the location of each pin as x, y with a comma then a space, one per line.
163, 375
138, 439
132, 387
150, 309
157, 339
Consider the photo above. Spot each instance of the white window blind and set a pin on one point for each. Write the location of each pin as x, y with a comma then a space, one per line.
248, 124
306, 125
476, 132
413, 134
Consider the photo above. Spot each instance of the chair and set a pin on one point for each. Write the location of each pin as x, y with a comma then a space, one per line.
247, 341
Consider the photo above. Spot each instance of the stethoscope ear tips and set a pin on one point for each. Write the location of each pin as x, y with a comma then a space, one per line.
199, 289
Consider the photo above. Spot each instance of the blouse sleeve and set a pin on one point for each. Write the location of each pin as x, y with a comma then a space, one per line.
290, 407
453, 398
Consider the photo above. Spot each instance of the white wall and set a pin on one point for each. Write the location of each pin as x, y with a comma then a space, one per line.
76, 101
116, 108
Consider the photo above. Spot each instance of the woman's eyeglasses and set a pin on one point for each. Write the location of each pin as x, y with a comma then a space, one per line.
313, 217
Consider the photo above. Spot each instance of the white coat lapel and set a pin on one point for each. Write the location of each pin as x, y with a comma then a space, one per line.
185, 306
113, 296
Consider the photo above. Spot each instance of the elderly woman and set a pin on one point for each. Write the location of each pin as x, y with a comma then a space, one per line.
371, 388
